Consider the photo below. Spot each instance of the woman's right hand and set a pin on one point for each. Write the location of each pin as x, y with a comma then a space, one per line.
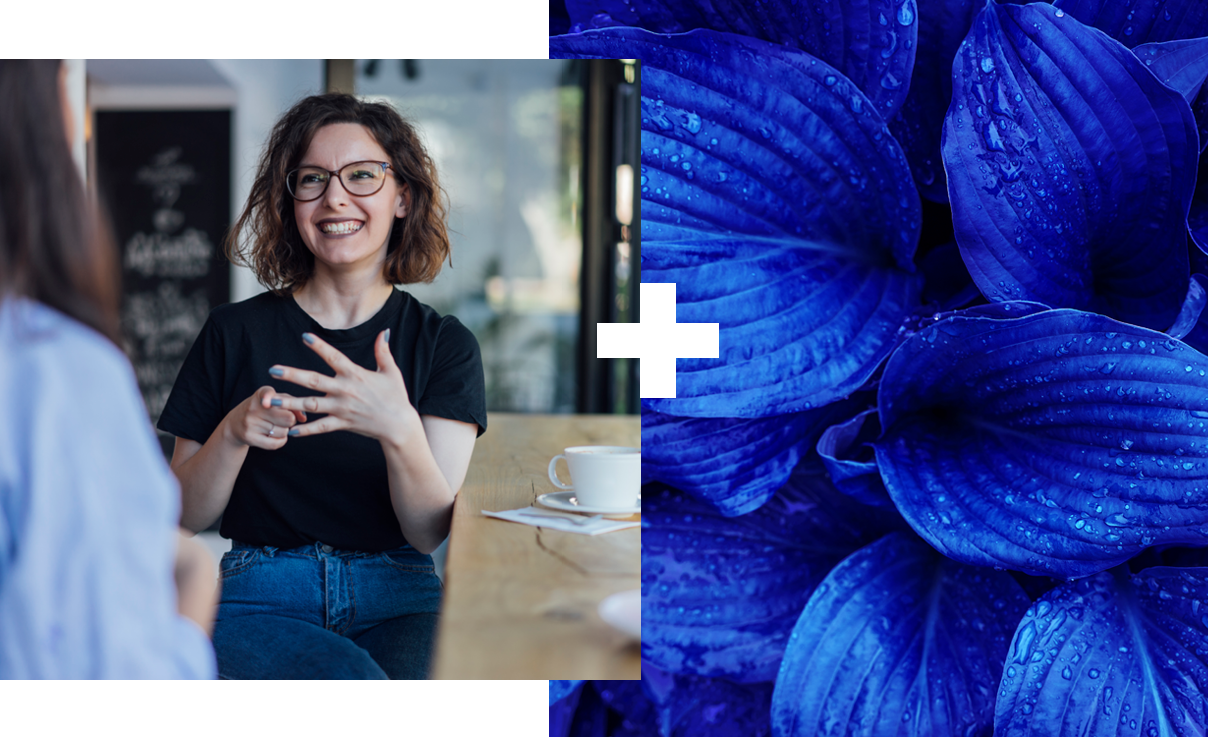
257, 423
207, 471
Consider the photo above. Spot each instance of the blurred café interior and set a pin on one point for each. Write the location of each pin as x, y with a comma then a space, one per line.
538, 158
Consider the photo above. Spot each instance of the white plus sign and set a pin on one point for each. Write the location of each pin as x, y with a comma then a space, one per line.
657, 340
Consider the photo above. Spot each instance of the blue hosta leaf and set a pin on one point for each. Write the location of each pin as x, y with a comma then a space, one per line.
772, 160
743, 136
591, 717
563, 703
720, 594
1196, 334
1008, 310
631, 700
734, 464
559, 690
1181, 65
897, 640
631, 729
849, 459
731, 463
871, 41
801, 324
996, 310
588, 14
1061, 443
1141, 21
1115, 654
942, 26
1188, 321
1070, 168
690, 706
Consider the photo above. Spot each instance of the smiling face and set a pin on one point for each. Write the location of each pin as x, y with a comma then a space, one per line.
344, 231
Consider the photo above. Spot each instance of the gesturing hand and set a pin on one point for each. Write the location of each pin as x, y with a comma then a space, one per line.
369, 403
257, 422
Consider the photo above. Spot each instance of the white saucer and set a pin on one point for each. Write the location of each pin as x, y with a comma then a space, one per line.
624, 611
566, 500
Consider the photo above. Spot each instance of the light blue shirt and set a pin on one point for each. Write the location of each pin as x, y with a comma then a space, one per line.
88, 513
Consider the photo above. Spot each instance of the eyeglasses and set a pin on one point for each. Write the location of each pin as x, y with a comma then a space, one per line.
360, 178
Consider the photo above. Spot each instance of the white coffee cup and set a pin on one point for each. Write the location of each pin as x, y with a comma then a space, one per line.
603, 476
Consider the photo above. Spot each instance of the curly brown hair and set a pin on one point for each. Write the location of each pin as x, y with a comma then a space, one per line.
418, 243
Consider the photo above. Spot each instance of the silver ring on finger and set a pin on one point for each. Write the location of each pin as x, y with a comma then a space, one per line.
271, 430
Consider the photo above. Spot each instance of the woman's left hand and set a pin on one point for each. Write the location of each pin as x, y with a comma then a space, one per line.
370, 403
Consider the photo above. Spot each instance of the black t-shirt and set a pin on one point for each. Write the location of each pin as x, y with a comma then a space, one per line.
332, 487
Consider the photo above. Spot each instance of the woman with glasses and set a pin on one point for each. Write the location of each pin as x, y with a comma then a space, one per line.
88, 508
330, 420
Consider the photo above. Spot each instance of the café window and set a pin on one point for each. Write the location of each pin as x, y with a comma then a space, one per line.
507, 139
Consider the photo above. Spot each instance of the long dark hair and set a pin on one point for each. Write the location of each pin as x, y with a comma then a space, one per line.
53, 249
418, 243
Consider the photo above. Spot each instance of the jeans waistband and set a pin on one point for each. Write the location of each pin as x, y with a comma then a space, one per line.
316, 549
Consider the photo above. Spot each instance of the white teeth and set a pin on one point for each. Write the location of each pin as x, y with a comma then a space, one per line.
339, 228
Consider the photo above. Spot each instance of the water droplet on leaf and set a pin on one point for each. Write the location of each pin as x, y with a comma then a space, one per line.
1024, 643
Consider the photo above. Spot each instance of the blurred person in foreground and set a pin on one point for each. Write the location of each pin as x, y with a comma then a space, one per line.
96, 580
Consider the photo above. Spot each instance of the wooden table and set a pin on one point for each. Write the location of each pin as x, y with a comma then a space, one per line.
520, 601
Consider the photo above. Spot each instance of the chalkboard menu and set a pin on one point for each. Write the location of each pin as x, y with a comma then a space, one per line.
164, 177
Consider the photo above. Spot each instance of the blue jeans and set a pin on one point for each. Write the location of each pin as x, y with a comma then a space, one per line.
315, 612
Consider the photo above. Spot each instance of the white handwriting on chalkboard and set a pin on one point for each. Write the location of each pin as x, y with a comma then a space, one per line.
165, 175
183, 256
164, 323
155, 379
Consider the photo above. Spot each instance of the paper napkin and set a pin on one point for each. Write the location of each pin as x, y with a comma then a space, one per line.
537, 518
